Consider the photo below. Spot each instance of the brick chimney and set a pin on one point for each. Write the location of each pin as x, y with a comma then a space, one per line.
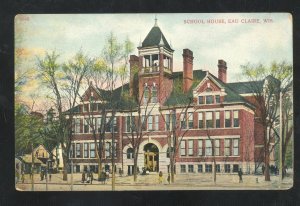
222, 70
134, 68
187, 69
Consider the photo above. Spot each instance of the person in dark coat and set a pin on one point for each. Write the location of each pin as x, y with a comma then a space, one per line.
263, 169
83, 177
91, 177
169, 178
240, 173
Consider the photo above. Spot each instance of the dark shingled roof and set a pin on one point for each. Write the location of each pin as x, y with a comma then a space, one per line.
245, 87
153, 38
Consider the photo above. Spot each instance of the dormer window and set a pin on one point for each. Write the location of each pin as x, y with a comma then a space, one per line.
217, 99
209, 99
201, 100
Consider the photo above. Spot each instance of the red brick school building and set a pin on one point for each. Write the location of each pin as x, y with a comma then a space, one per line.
218, 123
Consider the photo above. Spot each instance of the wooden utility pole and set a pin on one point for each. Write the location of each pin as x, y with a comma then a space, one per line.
32, 167
281, 139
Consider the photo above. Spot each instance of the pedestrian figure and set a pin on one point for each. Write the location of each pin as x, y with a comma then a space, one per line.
91, 177
160, 177
107, 174
168, 178
23, 177
263, 169
83, 177
240, 173
42, 175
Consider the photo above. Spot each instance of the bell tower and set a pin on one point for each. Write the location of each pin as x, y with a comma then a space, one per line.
155, 67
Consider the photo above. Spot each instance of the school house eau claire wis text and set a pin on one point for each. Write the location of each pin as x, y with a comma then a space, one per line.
222, 21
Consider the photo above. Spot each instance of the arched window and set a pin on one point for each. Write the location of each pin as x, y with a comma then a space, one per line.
130, 153
146, 94
154, 94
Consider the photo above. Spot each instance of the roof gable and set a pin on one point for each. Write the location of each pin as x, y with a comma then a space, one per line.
208, 83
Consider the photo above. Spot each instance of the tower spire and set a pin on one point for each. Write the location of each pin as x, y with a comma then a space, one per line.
155, 24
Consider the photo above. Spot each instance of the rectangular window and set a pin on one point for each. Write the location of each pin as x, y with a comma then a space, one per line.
182, 148
191, 120
217, 99
209, 119
86, 126
183, 121
182, 169
200, 100
227, 147
227, 119
144, 122
85, 107
115, 124
236, 122
200, 169
191, 147
107, 149
128, 124
86, 150
200, 120
115, 149
235, 147
217, 147
217, 115
209, 99
77, 149
168, 122
92, 150
235, 168
150, 123
191, 168
72, 151
227, 168
111, 123
154, 95
156, 122
200, 147
208, 168
98, 124
218, 168
146, 95
208, 148
93, 125
77, 125
94, 107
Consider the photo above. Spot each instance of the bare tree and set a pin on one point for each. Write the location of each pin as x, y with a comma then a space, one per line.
64, 81
267, 84
176, 122
140, 109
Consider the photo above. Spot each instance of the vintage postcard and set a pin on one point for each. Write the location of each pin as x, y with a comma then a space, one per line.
187, 101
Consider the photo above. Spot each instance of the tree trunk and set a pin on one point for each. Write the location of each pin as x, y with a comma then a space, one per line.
135, 166
99, 168
172, 165
65, 167
267, 165
215, 173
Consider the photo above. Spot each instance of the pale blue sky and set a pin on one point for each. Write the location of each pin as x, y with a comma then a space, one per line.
236, 43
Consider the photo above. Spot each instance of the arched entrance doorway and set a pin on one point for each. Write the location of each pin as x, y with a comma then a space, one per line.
151, 157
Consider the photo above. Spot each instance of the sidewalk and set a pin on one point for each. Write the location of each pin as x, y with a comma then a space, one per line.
150, 182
